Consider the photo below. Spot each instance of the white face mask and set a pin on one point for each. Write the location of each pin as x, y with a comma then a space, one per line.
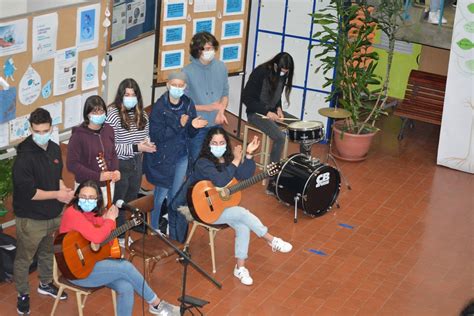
208, 55
282, 73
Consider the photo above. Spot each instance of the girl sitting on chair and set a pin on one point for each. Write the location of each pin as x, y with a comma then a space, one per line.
86, 215
218, 163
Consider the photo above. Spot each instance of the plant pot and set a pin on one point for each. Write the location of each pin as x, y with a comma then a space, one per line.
351, 147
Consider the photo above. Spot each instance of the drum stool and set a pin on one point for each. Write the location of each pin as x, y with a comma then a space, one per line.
265, 146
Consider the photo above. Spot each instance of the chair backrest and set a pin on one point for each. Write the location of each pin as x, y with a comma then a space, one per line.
144, 203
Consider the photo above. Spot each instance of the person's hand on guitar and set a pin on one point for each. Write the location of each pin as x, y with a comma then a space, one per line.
237, 155
111, 213
252, 146
115, 176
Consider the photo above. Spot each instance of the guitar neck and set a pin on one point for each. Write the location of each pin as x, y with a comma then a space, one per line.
109, 194
248, 182
119, 231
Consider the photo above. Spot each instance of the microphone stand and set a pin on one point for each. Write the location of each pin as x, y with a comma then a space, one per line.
187, 302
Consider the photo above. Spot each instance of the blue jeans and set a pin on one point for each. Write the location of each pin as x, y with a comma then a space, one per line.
195, 143
160, 193
242, 221
122, 277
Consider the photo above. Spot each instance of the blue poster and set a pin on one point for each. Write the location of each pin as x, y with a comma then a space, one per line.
232, 29
174, 11
204, 26
87, 25
234, 7
8, 104
174, 35
172, 59
230, 53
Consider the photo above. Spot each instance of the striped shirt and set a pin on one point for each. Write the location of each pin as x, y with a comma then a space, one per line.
125, 139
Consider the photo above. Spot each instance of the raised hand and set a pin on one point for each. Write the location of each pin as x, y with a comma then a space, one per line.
253, 145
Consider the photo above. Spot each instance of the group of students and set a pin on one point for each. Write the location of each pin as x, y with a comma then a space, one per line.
182, 139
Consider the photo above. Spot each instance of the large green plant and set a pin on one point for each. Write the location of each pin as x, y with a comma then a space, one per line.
344, 55
6, 183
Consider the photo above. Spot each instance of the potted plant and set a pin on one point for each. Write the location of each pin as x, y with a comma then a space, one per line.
346, 31
6, 183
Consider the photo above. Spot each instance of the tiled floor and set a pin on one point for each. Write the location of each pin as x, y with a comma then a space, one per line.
407, 248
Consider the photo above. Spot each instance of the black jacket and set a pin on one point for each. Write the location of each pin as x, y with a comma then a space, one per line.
35, 168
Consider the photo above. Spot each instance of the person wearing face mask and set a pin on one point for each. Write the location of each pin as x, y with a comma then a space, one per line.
92, 137
86, 215
208, 85
131, 129
219, 164
173, 124
262, 97
39, 194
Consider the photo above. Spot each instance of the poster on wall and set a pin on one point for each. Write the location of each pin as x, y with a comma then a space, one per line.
174, 34
29, 88
90, 73
119, 23
87, 27
13, 37
232, 29
44, 35
204, 25
72, 111
234, 7
56, 111
19, 128
4, 134
172, 59
136, 11
205, 6
7, 104
231, 53
65, 71
175, 10
456, 139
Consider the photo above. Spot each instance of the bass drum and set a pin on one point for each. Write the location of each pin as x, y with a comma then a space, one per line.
316, 184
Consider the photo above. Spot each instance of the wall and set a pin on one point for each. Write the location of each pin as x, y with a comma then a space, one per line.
434, 60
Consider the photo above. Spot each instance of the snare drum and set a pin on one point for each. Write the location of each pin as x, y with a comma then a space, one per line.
304, 131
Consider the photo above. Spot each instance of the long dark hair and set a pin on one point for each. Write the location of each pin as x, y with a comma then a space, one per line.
196, 46
206, 147
94, 102
99, 209
281, 60
125, 120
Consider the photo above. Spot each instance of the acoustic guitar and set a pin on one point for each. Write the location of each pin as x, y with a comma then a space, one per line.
103, 166
77, 256
207, 202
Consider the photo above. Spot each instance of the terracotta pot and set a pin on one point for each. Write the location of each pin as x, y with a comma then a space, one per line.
352, 147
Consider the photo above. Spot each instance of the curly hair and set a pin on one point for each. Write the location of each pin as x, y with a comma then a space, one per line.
99, 209
125, 120
206, 148
196, 46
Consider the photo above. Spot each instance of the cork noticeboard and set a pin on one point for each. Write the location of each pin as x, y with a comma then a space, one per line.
66, 38
179, 20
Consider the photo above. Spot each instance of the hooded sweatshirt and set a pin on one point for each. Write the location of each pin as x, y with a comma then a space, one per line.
35, 168
83, 149
206, 84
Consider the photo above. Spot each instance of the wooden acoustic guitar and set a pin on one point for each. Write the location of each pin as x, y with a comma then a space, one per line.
77, 256
207, 202
103, 166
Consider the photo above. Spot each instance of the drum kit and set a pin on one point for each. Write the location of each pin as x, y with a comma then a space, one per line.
304, 181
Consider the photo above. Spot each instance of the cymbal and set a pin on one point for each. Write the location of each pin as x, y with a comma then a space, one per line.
334, 113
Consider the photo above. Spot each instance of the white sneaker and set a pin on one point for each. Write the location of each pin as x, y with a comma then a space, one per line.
433, 17
243, 275
280, 245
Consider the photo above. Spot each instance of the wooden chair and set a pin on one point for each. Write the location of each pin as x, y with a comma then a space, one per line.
81, 292
148, 247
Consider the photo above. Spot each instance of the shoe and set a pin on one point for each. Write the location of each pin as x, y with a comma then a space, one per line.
280, 245
51, 290
433, 18
121, 242
243, 275
455, 3
271, 188
23, 304
164, 309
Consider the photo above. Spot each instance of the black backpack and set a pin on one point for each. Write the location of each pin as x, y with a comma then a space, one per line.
7, 257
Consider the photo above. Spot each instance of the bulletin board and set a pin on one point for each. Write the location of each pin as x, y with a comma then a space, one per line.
131, 20
179, 20
57, 91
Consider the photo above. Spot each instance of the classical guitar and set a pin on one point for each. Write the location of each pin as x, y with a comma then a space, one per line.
76, 256
207, 202
103, 166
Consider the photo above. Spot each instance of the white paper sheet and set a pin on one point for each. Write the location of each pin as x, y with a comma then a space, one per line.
19, 128
65, 71
44, 35
136, 11
72, 111
175, 10
56, 111
55, 135
119, 23
29, 88
13, 37
87, 27
85, 95
90, 73
205, 5
4, 134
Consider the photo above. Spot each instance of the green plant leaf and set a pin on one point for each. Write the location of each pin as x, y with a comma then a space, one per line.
465, 44
470, 7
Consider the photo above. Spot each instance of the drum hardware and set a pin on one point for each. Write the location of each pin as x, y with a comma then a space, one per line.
296, 198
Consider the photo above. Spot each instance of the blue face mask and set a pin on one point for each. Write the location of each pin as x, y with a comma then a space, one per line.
130, 102
176, 92
97, 119
218, 151
41, 139
87, 205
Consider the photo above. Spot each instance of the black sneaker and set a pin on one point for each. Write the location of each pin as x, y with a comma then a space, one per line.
23, 305
51, 290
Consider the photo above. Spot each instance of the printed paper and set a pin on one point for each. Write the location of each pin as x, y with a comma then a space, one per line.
175, 10
90, 67
119, 23
65, 71
7, 104
45, 31
172, 59
87, 27
230, 53
4, 135
72, 111
204, 25
19, 128
174, 34
205, 5
234, 7
232, 29
13, 37
56, 111
29, 88
136, 11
